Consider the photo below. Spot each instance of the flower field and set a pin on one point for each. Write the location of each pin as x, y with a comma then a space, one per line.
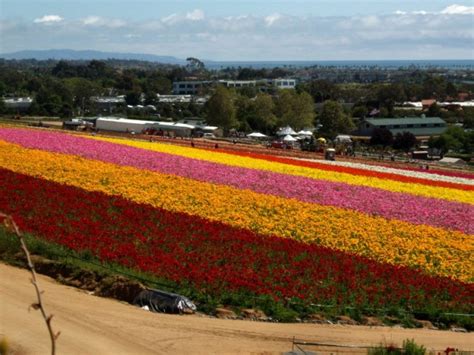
225, 222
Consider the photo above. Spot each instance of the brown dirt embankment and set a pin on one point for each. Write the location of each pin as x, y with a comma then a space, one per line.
94, 325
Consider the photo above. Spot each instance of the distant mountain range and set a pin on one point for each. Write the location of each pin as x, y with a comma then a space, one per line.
70, 54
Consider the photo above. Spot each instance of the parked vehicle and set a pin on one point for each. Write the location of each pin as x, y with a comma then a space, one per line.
330, 154
281, 145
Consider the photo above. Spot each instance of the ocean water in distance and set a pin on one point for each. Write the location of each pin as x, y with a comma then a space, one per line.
387, 64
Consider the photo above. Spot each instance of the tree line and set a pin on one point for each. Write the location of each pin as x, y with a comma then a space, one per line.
65, 89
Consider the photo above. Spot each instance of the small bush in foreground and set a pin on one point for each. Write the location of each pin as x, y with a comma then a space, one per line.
409, 347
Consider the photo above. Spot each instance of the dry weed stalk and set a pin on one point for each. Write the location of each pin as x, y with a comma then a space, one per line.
12, 226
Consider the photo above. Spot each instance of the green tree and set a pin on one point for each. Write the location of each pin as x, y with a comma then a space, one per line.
49, 103
360, 111
97, 69
454, 139
82, 90
434, 110
451, 90
52, 96
221, 110
196, 67
390, 94
382, 137
127, 81
157, 83
133, 97
295, 110
434, 87
3, 109
33, 85
468, 117
404, 141
322, 90
264, 108
244, 112
256, 114
334, 120
194, 64
150, 98
249, 91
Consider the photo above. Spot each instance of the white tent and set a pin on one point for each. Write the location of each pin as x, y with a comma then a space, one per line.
256, 135
286, 131
289, 138
343, 139
448, 160
305, 133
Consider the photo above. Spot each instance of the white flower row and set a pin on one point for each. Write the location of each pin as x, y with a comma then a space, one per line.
409, 173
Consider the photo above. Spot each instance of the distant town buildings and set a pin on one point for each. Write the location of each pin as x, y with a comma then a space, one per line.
418, 126
190, 87
196, 87
282, 83
108, 103
173, 99
238, 83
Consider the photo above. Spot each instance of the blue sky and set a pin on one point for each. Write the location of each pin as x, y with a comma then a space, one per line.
147, 9
245, 29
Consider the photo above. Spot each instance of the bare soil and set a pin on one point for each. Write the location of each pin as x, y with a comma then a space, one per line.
95, 325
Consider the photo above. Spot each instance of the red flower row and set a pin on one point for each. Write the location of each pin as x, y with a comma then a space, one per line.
214, 257
349, 170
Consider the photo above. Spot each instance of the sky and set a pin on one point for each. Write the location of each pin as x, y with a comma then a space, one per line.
245, 29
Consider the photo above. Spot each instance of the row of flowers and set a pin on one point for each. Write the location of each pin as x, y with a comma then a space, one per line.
390, 205
402, 175
410, 173
367, 172
214, 257
314, 170
436, 251
302, 155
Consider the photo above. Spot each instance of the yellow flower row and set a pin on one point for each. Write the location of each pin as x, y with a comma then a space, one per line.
252, 163
435, 250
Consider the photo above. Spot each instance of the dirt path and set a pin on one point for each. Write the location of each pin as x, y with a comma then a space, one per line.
93, 325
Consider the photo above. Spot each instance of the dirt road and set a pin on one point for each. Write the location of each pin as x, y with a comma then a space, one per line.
93, 325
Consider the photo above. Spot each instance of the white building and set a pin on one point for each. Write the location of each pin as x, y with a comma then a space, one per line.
238, 83
118, 124
18, 103
283, 83
189, 87
172, 99
195, 87
108, 103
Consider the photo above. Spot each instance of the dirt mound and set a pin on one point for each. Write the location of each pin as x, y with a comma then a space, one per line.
120, 288
100, 284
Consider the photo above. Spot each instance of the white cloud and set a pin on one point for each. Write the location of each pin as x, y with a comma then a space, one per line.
370, 21
91, 20
442, 34
170, 19
271, 19
450, 10
132, 36
458, 10
102, 22
195, 15
48, 19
